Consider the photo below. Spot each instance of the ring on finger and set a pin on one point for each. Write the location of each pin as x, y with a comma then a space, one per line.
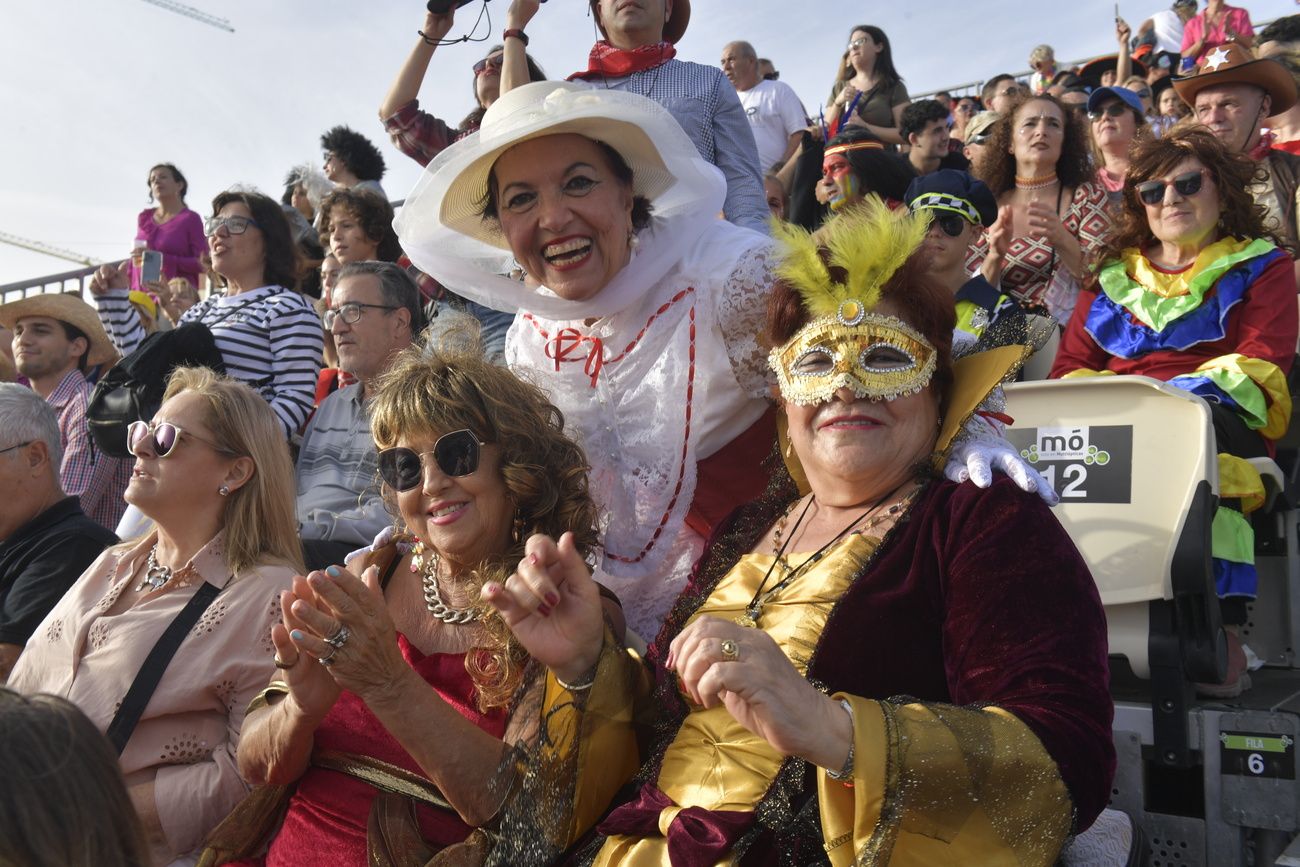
281, 664
328, 659
730, 650
340, 637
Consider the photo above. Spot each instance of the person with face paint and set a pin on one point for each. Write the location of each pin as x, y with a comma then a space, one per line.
855, 164
858, 552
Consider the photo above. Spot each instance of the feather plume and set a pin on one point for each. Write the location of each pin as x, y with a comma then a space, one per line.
870, 242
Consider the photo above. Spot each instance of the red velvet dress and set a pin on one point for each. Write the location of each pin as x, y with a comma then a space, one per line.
326, 822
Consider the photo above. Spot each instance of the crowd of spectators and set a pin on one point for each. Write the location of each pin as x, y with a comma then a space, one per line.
347, 578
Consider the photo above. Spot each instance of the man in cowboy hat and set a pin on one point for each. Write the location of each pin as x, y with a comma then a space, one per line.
57, 338
637, 54
1232, 94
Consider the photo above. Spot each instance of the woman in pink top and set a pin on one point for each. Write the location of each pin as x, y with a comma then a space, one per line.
170, 228
213, 472
1215, 25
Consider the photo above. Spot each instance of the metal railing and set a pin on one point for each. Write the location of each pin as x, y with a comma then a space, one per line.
48, 284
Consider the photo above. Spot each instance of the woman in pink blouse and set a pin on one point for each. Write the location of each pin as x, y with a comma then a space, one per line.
170, 228
213, 472
1216, 25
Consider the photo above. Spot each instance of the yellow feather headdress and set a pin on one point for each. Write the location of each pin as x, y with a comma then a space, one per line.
869, 242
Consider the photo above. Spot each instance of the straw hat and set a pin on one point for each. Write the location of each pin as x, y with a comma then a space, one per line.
630, 124
65, 307
1232, 64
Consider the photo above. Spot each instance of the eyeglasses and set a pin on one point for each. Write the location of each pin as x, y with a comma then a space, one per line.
234, 225
163, 436
18, 446
1010, 90
966, 108
952, 225
455, 453
1114, 109
350, 312
494, 61
1186, 185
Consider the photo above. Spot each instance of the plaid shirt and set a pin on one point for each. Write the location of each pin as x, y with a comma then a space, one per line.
420, 135
96, 478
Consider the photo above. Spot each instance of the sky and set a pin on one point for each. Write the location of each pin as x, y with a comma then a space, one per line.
96, 92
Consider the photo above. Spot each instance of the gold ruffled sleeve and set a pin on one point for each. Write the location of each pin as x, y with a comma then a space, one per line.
585, 750
939, 784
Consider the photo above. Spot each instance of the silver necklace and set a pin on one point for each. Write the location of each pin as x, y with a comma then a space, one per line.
155, 575
427, 565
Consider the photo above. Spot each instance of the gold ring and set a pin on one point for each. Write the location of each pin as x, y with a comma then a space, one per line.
730, 650
280, 663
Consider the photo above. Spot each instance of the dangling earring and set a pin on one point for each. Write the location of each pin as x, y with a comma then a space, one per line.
224, 491
789, 447
517, 529
633, 240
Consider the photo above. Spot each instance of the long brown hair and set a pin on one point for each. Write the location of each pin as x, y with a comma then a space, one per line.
1153, 158
64, 802
432, 392
997, 164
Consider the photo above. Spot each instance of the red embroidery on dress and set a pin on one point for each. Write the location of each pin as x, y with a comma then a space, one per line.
568, 339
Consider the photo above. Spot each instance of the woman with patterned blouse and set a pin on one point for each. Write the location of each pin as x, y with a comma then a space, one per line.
1051, 213
212, 470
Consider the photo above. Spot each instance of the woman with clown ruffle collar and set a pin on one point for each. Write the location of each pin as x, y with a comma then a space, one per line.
1194, 290
857, 672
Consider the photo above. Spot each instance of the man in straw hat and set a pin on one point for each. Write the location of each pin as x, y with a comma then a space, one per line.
57, 338
1232, 94
638, 54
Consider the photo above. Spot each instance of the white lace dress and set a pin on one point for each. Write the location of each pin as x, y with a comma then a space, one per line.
652, 389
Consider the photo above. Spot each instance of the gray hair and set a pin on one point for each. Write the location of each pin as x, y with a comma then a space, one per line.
395, 285
744, 49
29, 418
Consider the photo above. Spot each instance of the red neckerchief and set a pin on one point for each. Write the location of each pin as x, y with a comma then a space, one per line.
606, 61
1266, 139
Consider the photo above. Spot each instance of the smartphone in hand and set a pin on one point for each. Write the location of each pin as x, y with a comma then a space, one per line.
150, 267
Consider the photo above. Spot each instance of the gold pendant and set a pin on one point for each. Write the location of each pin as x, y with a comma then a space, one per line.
746, 620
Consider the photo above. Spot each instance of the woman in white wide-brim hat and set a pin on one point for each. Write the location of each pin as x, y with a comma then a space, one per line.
591, 215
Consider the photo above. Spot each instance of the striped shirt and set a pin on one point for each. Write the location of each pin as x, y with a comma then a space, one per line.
270, 338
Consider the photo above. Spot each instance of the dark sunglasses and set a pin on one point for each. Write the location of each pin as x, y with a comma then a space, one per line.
1186, 185
951, 224
455, 453
163, 437
1115, 109
494, 61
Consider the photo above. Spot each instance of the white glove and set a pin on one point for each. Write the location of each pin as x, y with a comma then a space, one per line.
974, 458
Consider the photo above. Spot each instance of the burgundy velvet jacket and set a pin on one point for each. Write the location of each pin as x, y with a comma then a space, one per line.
978, 598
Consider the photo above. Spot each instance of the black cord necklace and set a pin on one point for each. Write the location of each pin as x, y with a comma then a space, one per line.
762, 596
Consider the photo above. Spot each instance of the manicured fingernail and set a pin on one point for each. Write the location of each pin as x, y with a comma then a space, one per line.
333, 572
544, 609
552, 599
297, 635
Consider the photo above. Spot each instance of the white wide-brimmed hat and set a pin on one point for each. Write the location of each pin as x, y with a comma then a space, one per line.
441, 226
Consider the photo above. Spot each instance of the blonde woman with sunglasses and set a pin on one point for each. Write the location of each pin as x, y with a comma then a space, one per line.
1195, 291
395, 677
213, 472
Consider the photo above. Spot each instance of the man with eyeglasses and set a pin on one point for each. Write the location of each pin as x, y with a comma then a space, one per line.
1233, 94
375, 315
999, 91
46, 541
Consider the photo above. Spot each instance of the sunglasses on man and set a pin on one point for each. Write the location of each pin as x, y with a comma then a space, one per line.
456, 454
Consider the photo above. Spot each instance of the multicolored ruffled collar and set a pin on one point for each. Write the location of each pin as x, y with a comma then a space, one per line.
1157, 298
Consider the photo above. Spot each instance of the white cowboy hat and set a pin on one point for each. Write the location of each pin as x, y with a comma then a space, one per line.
441, 226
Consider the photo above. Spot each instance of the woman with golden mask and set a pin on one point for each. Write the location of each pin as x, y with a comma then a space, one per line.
777, 732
